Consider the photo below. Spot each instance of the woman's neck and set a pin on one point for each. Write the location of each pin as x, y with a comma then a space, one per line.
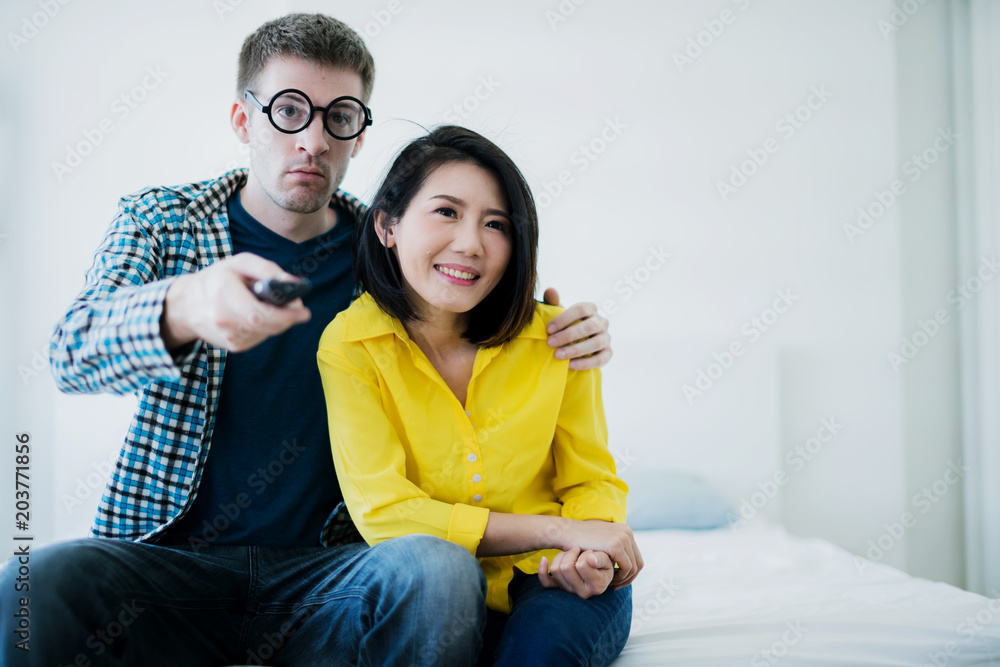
451, 355
439, 336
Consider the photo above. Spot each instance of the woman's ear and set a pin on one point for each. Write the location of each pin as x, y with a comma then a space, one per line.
386, 233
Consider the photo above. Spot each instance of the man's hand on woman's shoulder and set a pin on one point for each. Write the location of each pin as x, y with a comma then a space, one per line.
579, 334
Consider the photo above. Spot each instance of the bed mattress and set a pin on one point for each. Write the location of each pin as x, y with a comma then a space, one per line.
761, 597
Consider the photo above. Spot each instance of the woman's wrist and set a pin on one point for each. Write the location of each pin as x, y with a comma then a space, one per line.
508, 534
554, 533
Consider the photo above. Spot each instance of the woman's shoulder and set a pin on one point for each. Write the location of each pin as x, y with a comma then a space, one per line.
544, 314
530, 348
362, 320
532, 342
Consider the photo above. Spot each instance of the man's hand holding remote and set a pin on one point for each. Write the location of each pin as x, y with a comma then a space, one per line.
217, 306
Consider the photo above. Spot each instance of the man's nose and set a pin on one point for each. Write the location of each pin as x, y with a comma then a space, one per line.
314, 138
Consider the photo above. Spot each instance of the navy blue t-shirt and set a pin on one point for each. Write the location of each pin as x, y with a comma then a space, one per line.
269, 478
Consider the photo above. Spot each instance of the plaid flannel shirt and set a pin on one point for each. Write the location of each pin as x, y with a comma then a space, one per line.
109, 341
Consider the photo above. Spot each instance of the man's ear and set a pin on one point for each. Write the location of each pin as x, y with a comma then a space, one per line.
358, 143
386, 232
239, 120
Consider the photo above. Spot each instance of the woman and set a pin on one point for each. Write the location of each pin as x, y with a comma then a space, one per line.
449, 415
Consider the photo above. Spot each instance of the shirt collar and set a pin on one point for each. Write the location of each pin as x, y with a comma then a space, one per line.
215, 194
368, 320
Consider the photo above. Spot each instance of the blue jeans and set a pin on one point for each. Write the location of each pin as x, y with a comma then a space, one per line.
552, 627
414, 600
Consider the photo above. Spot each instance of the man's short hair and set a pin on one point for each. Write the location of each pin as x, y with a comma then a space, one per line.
315, 37
505, 311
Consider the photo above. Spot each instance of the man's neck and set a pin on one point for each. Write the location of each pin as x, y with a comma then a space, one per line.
296, 227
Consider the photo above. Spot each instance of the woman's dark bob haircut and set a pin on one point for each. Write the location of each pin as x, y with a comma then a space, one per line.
505, 311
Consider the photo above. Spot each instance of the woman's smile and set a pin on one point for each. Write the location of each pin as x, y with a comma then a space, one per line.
456, 232
457, 274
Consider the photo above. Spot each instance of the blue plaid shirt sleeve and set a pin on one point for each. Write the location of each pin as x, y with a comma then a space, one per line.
109, 340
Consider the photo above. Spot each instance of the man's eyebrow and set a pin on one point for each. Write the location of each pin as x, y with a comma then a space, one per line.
461, 202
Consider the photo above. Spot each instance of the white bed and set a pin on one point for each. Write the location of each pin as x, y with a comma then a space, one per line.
762, 597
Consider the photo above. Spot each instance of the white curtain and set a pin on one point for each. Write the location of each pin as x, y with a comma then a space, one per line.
976, 43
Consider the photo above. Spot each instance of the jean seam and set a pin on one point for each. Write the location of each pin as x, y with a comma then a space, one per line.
343, 594
610, 629
241, 641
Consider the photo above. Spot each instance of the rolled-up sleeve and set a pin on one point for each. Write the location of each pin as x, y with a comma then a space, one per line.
371, 461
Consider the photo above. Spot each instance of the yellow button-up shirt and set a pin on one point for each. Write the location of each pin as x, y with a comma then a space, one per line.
531, 438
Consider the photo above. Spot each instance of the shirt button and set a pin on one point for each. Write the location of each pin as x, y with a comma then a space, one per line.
468, 414
473, 457
478, 498
477, 478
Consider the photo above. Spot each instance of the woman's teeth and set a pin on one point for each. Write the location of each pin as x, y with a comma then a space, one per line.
456, 274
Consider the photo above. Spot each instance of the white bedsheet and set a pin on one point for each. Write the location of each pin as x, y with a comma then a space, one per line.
762, 597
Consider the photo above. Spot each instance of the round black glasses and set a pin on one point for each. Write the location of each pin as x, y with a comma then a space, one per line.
291, 111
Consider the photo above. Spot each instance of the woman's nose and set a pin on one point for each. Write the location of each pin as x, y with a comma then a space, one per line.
467, 238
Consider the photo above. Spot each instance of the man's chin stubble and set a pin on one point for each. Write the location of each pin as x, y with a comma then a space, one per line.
303, 203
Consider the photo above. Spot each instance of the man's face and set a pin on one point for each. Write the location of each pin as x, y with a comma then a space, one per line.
277, 159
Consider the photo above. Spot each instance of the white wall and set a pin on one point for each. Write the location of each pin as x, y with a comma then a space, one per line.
554, 87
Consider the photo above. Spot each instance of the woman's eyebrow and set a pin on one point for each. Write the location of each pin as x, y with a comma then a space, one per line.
461, 202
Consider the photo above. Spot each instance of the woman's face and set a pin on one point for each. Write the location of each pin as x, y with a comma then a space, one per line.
453, 243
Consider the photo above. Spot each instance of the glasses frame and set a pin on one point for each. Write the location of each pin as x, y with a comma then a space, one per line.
266, 110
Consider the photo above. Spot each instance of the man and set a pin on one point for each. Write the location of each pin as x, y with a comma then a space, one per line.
229, 541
